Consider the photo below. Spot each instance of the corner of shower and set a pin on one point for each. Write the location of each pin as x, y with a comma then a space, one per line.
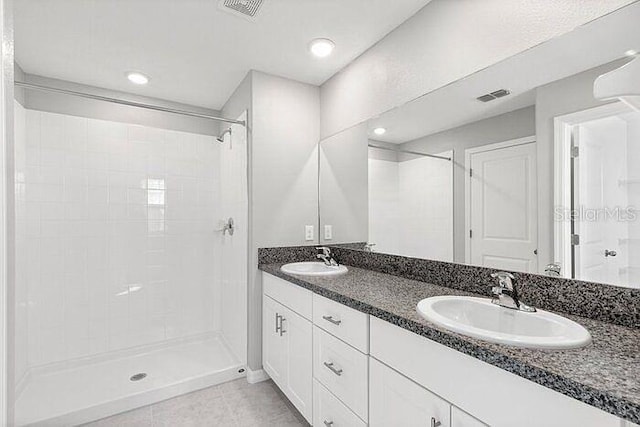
126, 292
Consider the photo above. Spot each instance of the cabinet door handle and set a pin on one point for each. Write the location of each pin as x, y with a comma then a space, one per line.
332, 320
435, 423
328, 423
278, 324
282, 331
331, 367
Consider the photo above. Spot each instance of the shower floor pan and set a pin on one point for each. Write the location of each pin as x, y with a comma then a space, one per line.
104, 387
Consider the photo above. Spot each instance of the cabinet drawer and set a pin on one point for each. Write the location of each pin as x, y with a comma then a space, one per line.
292, 296
343, 370
398, 401
329, 411
349, 325
459, 418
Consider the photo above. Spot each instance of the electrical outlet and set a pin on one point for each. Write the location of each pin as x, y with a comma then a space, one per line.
308, 232
328, 232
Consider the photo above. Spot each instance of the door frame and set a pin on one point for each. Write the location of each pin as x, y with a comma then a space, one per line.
467, 183
563, 141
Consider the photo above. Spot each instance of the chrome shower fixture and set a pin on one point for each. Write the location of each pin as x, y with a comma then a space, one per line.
221, 137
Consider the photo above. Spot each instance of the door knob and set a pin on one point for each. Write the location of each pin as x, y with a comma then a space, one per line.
608, 253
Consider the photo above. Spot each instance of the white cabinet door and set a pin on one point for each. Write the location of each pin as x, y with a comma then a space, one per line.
298, 332
274, 352
397, 401
287, 353
459, 418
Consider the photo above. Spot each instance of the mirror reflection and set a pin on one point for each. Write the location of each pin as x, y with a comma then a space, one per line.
527, 165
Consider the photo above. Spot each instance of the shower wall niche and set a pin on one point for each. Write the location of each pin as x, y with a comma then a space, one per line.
120, 254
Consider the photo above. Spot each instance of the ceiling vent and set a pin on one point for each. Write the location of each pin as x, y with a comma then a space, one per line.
493, 95
244, 8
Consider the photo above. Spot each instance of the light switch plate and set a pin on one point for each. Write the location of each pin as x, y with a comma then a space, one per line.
328, 232
308, 232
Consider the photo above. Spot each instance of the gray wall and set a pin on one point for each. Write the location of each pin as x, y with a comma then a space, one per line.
284, 129
19, 75
516, 124
417, 57
344, 200
82, 107
564, 96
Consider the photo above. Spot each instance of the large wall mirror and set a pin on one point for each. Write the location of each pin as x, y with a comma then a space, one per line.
528, 165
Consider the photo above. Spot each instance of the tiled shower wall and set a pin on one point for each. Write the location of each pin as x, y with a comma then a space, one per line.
117, 235
411, 207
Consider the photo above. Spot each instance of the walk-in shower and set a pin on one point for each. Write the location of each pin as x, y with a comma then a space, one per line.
128, 292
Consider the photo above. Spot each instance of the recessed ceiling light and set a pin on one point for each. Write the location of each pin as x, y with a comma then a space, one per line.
137, 78
379, 131
322, 47
631, 52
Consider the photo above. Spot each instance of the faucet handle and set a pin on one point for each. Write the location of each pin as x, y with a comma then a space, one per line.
505, 279
502, 275
325, 250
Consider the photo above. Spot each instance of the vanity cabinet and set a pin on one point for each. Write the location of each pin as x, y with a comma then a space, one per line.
341, 367
396, 400
287, 350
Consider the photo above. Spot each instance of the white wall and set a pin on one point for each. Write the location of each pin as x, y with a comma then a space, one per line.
119, 235
633, 193
82, 107
21, 292
443, 42
233, 249
411, 207
384, 210
426, 202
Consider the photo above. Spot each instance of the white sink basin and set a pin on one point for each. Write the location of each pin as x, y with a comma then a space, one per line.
313, 269
480, 318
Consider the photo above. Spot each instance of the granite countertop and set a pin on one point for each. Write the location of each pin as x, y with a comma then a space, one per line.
604, 374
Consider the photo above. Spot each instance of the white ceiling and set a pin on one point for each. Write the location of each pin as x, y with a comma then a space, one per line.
598, 42
194, 52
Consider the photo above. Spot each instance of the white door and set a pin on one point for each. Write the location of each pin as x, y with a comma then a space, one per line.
502, 208
274, 351
599, 190
395, 400
298, 333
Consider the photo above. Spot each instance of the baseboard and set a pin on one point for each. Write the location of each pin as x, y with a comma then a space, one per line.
256, 376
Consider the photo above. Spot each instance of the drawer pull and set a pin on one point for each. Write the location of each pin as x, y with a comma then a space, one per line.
328, 423
435, 423
338, 372
332, 320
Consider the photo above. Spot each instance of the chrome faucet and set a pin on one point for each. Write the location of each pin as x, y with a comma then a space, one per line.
506, 294
326, 256
554, 269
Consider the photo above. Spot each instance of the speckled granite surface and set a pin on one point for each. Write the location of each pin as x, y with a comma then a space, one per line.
608, 303
605, 374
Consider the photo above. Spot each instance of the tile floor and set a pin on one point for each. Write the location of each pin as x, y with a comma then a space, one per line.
236, 403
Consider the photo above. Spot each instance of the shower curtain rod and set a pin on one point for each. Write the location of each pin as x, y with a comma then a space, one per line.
410, 152
43, 88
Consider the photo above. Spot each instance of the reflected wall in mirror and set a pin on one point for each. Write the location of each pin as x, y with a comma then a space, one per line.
542, 176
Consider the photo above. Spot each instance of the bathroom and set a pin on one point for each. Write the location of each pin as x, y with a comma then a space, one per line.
290, 213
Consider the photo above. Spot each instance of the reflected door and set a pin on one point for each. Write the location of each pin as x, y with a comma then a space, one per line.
503, 207
600, 200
